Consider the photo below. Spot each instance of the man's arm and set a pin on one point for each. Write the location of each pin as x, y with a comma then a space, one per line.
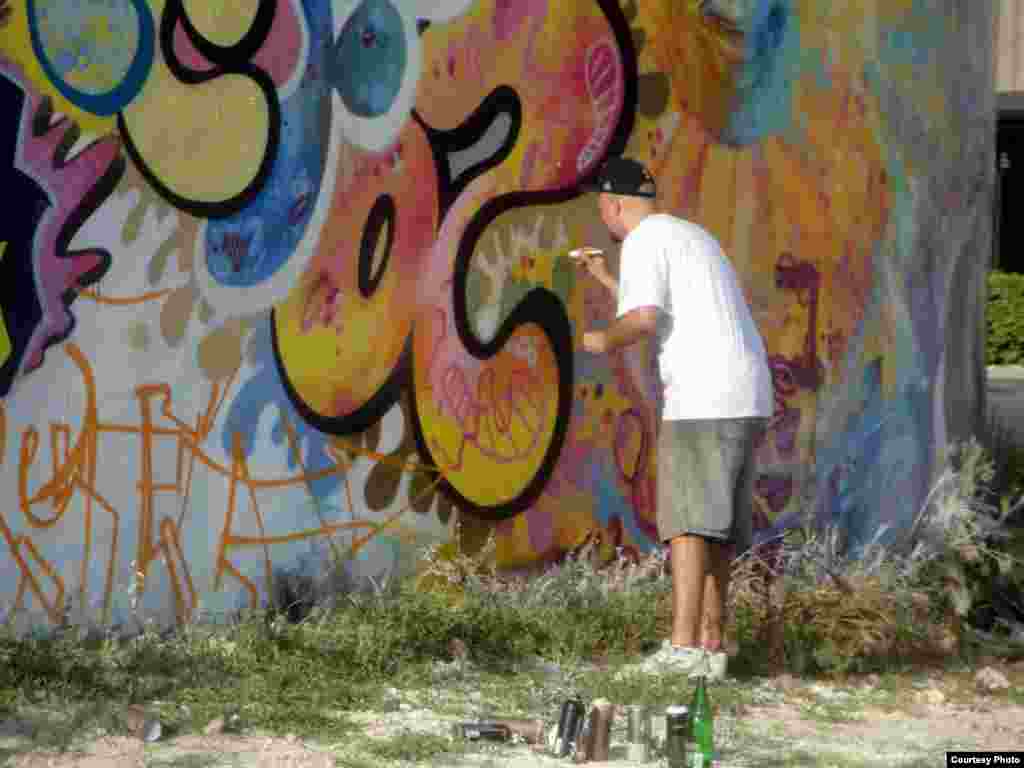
595, 264
628, 329
610, 283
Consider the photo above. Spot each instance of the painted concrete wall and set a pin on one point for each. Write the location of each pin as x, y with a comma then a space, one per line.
287, 277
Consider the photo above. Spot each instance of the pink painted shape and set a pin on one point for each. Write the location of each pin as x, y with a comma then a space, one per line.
57, 270
187, 53
278, 56
509, 16
540, 529
605, 81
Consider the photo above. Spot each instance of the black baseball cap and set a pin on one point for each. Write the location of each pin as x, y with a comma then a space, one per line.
623, 176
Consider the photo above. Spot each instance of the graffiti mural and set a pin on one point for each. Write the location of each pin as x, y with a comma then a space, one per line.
286, 280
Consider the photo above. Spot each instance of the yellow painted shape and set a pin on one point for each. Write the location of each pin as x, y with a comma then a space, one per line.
204, 142
345, 363
514, 548
491, 458
5, 339
740, 250
718, 193
592, 427
16, 46
223, 22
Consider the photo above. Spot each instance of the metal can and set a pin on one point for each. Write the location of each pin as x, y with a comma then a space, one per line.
581, 751
570, 723
638, 733
530, 731
677, 731
482, 731
141, 724
598, 744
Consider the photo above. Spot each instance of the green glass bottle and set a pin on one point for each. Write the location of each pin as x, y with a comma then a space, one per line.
700, 749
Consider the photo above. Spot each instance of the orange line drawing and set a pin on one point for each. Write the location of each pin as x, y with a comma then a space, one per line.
125, 301
74, 471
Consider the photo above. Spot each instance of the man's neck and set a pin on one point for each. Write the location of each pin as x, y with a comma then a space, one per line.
636, 219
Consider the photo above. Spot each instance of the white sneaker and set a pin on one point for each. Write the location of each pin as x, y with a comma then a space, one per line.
714, 663
694, 661
717, 663
670, 658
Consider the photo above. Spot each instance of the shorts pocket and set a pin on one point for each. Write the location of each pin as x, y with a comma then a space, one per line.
735, 429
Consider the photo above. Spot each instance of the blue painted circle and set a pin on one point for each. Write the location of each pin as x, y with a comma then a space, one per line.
97, 53
368, 60
249, 247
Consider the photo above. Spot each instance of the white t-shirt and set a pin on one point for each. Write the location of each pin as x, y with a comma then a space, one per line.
711, 355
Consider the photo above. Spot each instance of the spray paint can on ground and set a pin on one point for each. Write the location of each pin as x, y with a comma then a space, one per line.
580, 751
570, 724
638, 733
482, 730
598, 741
142, 724
677, 731
530, 731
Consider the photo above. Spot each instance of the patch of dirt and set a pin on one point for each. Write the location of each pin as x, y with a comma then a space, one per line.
856, 720
994, 726
208, 751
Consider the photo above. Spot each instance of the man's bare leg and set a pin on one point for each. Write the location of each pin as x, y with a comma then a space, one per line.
716, 591
689, 566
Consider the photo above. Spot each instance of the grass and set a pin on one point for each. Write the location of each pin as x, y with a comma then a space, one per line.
805, 607
414, 747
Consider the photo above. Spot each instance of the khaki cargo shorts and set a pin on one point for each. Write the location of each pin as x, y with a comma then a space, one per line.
706, 471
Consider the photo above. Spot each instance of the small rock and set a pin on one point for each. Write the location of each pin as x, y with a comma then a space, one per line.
990, 679
828, 692
932, 696
871, 681
141, 724
233, 723
214, 727
786, 681
392, 700
458, 650
969, 552
984, 706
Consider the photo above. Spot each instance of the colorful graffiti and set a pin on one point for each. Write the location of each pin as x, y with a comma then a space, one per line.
286, 279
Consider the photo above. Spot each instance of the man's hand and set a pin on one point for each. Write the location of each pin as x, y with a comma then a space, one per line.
595, 342
595, 265
635, 325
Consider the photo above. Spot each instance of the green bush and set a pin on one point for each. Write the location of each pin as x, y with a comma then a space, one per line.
1005, 319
